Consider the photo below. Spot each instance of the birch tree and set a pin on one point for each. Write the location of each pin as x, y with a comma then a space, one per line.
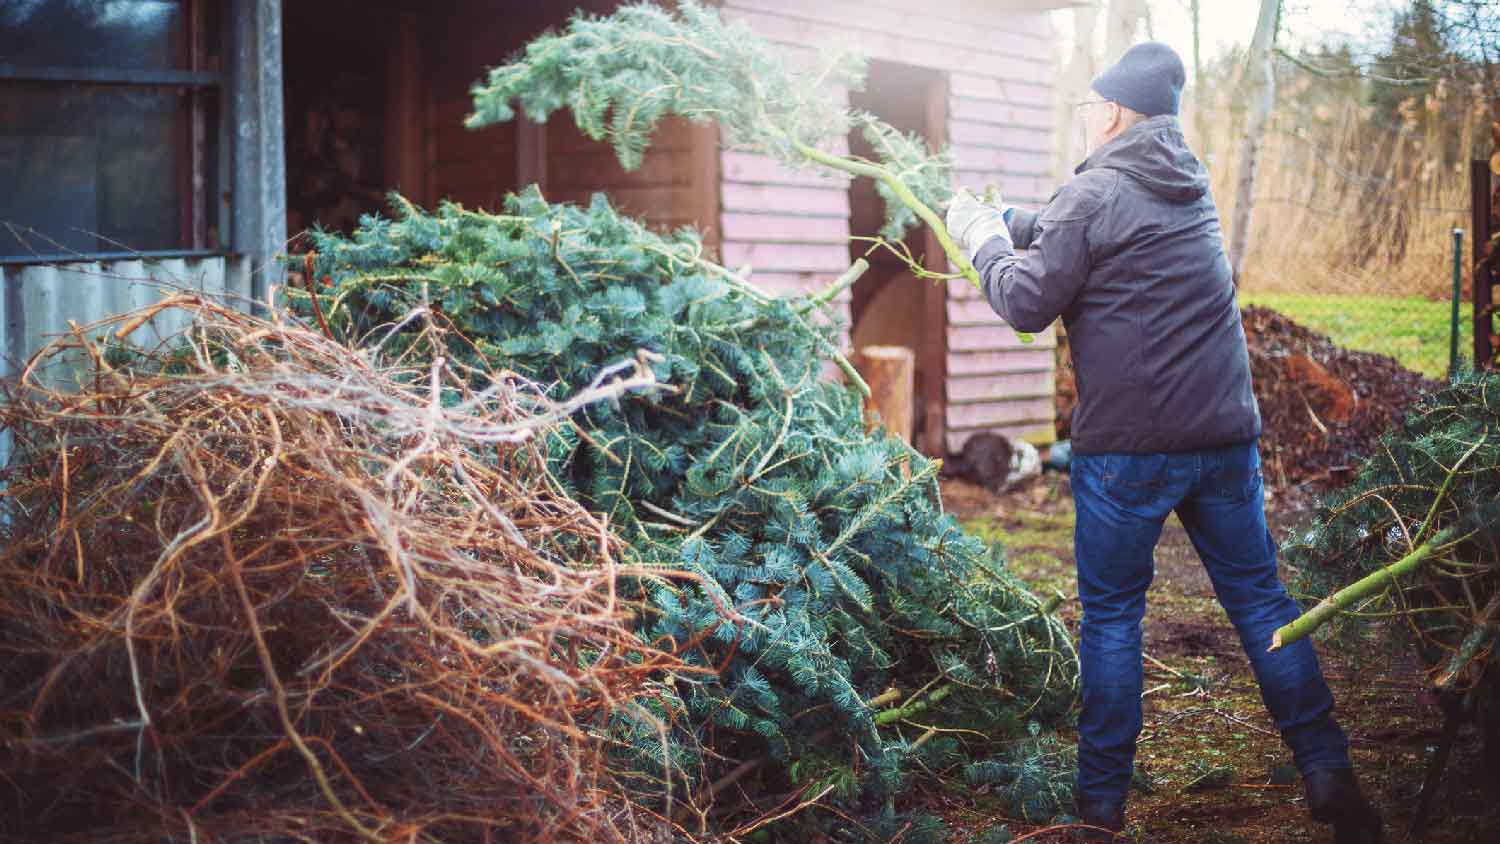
1082, 66
1260, 88
1199, 97
1124, 21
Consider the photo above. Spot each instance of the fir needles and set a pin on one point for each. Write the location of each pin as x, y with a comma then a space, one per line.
1413, 539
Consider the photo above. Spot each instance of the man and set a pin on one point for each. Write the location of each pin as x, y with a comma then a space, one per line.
1130, 254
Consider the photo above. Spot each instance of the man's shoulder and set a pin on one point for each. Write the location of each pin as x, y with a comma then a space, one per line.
1083, 195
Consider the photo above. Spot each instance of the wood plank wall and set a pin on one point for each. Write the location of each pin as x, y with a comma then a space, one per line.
790, 226
676, 185
475, 168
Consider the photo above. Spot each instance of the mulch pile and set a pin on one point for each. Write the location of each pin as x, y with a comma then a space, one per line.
1322, 407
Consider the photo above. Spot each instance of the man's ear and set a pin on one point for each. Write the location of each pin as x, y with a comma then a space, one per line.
1116, 118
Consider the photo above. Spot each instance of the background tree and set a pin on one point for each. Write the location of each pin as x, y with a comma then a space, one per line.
1261, 89
1125, 18
1082, 67
1411, 65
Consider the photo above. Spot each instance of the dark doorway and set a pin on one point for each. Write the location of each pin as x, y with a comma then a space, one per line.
335, 62
375, 95
890, 306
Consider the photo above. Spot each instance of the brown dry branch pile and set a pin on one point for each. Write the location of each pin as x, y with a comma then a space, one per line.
272, 589
1323, 407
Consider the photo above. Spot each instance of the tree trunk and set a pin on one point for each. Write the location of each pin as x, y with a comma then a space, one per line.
1261, 88
1124, 20
1371, 584
1075, 88
1199, 99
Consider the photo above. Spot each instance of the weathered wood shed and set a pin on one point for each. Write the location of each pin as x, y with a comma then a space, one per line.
278, 115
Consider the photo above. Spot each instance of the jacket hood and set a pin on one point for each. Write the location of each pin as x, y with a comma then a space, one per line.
1155, 153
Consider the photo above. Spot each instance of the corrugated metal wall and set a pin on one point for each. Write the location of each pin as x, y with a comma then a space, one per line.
40, 300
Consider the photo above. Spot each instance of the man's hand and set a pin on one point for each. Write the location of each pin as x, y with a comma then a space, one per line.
973, 223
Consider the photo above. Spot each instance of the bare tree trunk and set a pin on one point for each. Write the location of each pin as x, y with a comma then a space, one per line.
1200, 96
1261, 88
1124, 20
1081, 70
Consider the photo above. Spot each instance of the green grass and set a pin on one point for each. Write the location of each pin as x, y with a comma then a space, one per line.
1412, 330
1038, 547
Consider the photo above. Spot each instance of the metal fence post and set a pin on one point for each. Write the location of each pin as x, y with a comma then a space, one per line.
1458, 292
1484, 269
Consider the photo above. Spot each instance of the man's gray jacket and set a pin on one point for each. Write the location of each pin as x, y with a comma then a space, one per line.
1130, 254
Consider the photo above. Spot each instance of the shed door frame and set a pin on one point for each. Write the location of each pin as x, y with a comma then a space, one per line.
933, 400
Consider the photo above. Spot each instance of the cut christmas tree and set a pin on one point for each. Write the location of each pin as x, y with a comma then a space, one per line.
1411, 546
854, 635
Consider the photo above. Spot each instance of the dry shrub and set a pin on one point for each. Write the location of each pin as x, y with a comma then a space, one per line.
268, 588
1344, 201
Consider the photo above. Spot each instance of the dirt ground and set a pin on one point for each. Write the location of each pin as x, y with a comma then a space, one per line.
1217, 772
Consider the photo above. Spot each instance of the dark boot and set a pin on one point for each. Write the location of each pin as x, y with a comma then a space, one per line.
1333, 797
1103, 814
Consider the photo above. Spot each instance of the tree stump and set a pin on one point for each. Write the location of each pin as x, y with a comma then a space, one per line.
891, 373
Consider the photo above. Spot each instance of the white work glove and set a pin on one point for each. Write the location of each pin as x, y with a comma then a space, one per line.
972, 223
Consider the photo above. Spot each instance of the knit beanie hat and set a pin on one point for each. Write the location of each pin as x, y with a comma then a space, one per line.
1147, 79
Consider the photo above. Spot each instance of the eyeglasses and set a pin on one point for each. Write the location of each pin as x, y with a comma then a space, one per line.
1089, 103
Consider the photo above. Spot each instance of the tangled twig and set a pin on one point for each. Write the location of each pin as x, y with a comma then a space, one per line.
264, 587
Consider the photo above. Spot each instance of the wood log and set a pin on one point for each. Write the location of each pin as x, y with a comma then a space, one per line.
891, 373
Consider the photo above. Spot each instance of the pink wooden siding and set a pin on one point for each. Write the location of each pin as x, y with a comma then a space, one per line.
1037, 356
1000, 132
989, 366
790, 225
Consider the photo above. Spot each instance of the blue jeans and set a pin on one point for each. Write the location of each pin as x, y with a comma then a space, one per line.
1122, 501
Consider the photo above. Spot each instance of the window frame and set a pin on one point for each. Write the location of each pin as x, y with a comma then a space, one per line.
199, 83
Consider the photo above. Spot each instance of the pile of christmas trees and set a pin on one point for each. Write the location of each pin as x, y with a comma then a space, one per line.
854, 634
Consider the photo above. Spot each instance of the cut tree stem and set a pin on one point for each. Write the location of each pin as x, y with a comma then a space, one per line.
909, 199
955, 255
912, 709
839, 285
1377, 581
1359, 590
